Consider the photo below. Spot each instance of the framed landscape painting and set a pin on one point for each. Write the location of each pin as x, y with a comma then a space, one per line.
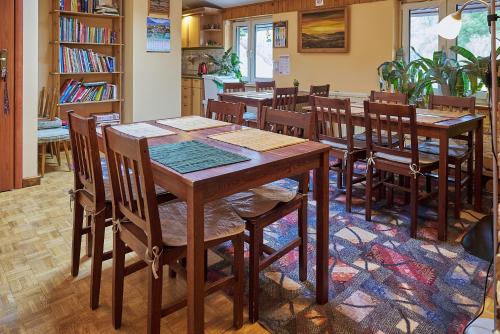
324, 30
159, 7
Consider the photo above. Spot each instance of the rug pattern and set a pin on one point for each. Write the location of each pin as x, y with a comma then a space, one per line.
381, 280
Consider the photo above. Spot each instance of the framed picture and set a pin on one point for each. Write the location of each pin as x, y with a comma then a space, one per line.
325, 30
159, 7
280, 33
158, 35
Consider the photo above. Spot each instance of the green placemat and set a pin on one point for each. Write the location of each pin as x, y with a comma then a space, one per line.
192, 156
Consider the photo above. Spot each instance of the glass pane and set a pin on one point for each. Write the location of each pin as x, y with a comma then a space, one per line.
264, 50
423, 32
242, 49
475, 35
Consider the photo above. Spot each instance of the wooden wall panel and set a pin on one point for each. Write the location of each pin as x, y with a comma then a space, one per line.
281, 6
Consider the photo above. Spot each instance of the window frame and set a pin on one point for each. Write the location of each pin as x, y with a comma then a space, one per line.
251, 54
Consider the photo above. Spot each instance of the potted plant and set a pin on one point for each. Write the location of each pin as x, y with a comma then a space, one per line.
227, 65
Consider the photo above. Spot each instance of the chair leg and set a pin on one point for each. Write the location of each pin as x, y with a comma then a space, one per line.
368, 193
89, 237
390, 190
57, 152
340, 176
66, 152
414, 205
205, 271
470, 181
254, 264
458, 190
428, 184
77, 238
155, 286
118, 279
98, 228
348, 183
239, 286
44, 152
303, 244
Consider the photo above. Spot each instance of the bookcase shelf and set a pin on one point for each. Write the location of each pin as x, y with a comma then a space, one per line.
58, 79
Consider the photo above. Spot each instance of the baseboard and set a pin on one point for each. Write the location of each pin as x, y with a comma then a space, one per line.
31, 181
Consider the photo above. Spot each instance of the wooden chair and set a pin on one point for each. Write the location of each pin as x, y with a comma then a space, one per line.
233, 87
261, 86
388, 97
332, 117
401, 160
158, 234
284, 202
323, 91
460, 148
285, 98
92, 200
226, 111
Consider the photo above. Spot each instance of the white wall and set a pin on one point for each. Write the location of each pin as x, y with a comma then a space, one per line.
30, 88
152, 80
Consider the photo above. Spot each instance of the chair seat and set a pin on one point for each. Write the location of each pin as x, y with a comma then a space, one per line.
52, 135
424, 158
257, 201
221, 221
359, 145
455, 149
45, 123
362, 138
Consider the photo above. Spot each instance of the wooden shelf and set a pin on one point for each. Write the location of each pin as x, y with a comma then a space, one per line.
85, 73
89, 102
70, 13
86, 43
204, 47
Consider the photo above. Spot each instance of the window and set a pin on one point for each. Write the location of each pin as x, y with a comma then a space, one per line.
253, 43
423, 37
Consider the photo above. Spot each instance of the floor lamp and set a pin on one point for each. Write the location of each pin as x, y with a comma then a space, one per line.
449, 28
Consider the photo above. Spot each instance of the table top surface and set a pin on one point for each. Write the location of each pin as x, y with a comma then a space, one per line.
266, 95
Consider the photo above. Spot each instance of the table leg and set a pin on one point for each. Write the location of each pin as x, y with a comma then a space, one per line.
443, 187
195, 263
322, 229
478, 168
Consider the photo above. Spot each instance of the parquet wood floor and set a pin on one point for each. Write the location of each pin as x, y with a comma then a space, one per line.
37, 292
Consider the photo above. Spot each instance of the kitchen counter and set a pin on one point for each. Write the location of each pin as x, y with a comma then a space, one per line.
192, 76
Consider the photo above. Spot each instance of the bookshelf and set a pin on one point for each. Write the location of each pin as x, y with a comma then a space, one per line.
101, 33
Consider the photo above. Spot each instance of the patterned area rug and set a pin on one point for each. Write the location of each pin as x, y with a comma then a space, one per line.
381, 280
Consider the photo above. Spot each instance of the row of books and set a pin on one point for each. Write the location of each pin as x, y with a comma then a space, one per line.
111, 118
73, 30
84, 60
73, 91
84, 6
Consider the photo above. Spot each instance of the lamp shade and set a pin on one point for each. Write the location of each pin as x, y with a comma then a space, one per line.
450, 26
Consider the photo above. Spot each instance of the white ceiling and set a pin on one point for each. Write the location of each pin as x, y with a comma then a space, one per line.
217, 3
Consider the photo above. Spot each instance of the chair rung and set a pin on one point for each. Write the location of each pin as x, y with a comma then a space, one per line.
86, 230
278, 254
134, 267
107, 255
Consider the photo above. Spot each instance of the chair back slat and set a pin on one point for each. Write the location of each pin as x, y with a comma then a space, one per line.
320, 90
290, 123
234, 87
226, 111
389, 119
86, 158
387, 97
285, 98
262, 86
453, 103
132, 185
333, 116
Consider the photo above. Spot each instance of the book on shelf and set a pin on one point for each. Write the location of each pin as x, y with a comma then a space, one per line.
73, 30
84, 61
74, 91
89, 6
107, 118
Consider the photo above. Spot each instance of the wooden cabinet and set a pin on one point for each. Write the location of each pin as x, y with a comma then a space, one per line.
202, 27
192, 97
191, 31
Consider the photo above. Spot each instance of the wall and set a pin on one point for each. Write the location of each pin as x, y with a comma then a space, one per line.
373, 37
152, 80
30, 87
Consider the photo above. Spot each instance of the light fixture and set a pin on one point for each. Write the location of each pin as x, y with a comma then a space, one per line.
449, 28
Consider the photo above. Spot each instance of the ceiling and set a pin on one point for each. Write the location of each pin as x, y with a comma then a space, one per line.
189, 4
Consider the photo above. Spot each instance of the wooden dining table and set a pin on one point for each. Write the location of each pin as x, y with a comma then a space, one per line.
199, 188
442, 126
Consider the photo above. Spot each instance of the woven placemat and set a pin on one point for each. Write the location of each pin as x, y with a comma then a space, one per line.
193, 123
192, 156
257, 140
142, 130
422, 118
442, 113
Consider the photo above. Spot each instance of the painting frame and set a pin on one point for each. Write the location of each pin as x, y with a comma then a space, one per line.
280, 41
158, 41
346, 43
161, 7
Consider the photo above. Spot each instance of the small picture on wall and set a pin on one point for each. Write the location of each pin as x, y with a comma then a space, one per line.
280, 31
158, 35
159, 7
324, 30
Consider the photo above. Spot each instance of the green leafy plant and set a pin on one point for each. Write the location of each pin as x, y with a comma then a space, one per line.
227, 65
